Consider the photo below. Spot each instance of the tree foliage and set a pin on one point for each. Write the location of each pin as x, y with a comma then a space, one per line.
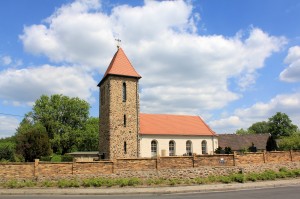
32, 142
227, 150
259, 128
87, 139
242, 132
290, 143
63, 117
7, 151
271, 144
280, 125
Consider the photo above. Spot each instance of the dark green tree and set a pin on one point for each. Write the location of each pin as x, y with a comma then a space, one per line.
7, 151
33, 142
87, 139
259, 127
271, 144
252, 148
62, 117
219, 150
228, 150
280, 125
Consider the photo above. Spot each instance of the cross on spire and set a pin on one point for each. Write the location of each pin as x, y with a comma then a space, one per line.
118, 42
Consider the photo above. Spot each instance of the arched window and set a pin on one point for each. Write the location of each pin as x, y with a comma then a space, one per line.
171, 148
189, 147
124, 92
125, 147
124, 121
153, 148
204, 147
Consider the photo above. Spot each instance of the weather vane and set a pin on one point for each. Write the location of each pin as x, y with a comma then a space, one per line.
118, 42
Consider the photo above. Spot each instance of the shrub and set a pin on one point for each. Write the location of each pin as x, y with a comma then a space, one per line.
173, 182
200, 180
252, 177
213, 178
238, 178
66, 158
48, 183
68, 183
267, 175
225, 179
134, 182
46, 158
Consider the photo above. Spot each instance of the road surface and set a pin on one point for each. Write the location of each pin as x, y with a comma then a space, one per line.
291, 192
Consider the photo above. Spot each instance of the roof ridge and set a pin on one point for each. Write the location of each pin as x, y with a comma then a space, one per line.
207, 126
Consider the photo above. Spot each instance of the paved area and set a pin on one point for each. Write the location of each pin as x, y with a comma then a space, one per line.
150, 190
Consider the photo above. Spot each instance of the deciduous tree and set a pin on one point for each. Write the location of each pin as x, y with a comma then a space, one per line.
33, 142
62, 117
280, 125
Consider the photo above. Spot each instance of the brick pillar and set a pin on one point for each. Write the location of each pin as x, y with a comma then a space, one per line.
157, 163
36, 164
234, 158
291, 155
73, 165
194, 157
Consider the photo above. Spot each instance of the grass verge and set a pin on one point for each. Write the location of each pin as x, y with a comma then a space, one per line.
123, 182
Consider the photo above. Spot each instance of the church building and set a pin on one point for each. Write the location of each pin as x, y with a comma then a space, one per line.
127, 133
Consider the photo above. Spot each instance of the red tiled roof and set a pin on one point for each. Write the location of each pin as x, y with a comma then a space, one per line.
120, 65
162, 124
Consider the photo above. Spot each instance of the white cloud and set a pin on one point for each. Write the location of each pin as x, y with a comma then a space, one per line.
28, 84
244, 118
73, 34
183, 72
9, 61
5, 60
292, 72
8, 126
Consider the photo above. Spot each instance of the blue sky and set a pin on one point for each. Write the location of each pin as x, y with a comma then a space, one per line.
231, 62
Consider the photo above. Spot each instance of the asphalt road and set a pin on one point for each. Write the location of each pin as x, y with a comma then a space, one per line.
291, 192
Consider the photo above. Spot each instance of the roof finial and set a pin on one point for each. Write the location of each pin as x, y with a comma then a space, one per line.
118, 42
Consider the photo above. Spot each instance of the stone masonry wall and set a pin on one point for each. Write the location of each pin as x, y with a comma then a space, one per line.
161, 167
16, 170
113, 133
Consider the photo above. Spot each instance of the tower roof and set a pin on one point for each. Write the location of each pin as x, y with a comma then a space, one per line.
120, 66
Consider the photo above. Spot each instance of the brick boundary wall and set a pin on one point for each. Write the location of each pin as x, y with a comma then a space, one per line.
160, 167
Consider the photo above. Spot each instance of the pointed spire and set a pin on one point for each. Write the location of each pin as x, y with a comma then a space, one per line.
121, 66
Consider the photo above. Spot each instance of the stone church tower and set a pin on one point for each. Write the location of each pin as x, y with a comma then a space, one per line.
119, 109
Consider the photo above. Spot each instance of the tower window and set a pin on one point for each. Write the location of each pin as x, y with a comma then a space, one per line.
125, 147
124, 92
124, 121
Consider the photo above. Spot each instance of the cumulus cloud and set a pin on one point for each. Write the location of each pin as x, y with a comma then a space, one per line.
75, 33
9, 61
5, 60
243, 118
183, 72
8, 126
292, 72
28, 84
